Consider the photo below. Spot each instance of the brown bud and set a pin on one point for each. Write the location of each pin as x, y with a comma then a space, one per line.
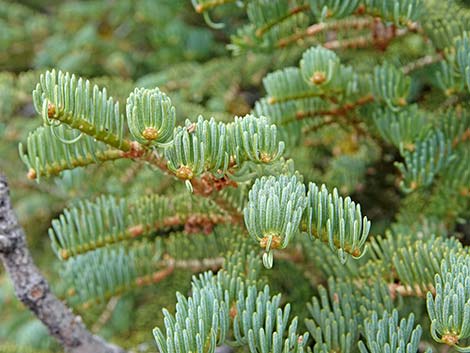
401, 101
140, 281
191, 128
356, 252
184, 172
31, 174
361, 9
265, 158
136, 230
318, 77
150, 133
275, 243
450, 339
64, 254
50, 110
409, 147
465, 191
233, 311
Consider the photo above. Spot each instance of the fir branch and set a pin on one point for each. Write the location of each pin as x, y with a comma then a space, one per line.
379, 39
335, 9
430, 156
417, 264
336, 221
341, 110
47, 156
333, 323
273, 213
401, 128
388, 334
92, 225
61, 97
275, 208
56, 113
317, 28
230, 296
150, 117
96, 277
449, 309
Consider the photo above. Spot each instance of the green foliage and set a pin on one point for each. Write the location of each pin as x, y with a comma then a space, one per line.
202, 321
274, 211
207, 146
150, 116
399, 12
51, 150
334, 313
61, 98
333, 9
391, 86
449, 309
336, 221
400, 128
391, 335
340, 314
326, 102
98, 275
91, 225
416, 264
429, 157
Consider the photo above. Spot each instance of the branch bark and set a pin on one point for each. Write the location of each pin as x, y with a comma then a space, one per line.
33, 290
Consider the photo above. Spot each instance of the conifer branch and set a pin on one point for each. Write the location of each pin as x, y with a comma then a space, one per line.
342, 110
449, 308
47, 156
379, 35
56, 113
92, 225
388, 334
59, 97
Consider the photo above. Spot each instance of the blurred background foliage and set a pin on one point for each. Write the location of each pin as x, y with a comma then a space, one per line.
146, 43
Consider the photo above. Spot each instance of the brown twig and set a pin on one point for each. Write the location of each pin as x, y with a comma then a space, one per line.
422, 62
343, 110
317, 28
408, 291
105, 315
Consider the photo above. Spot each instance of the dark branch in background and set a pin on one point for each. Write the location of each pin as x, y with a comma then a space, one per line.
33, 290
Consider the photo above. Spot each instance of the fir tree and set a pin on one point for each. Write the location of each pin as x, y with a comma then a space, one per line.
351, 170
